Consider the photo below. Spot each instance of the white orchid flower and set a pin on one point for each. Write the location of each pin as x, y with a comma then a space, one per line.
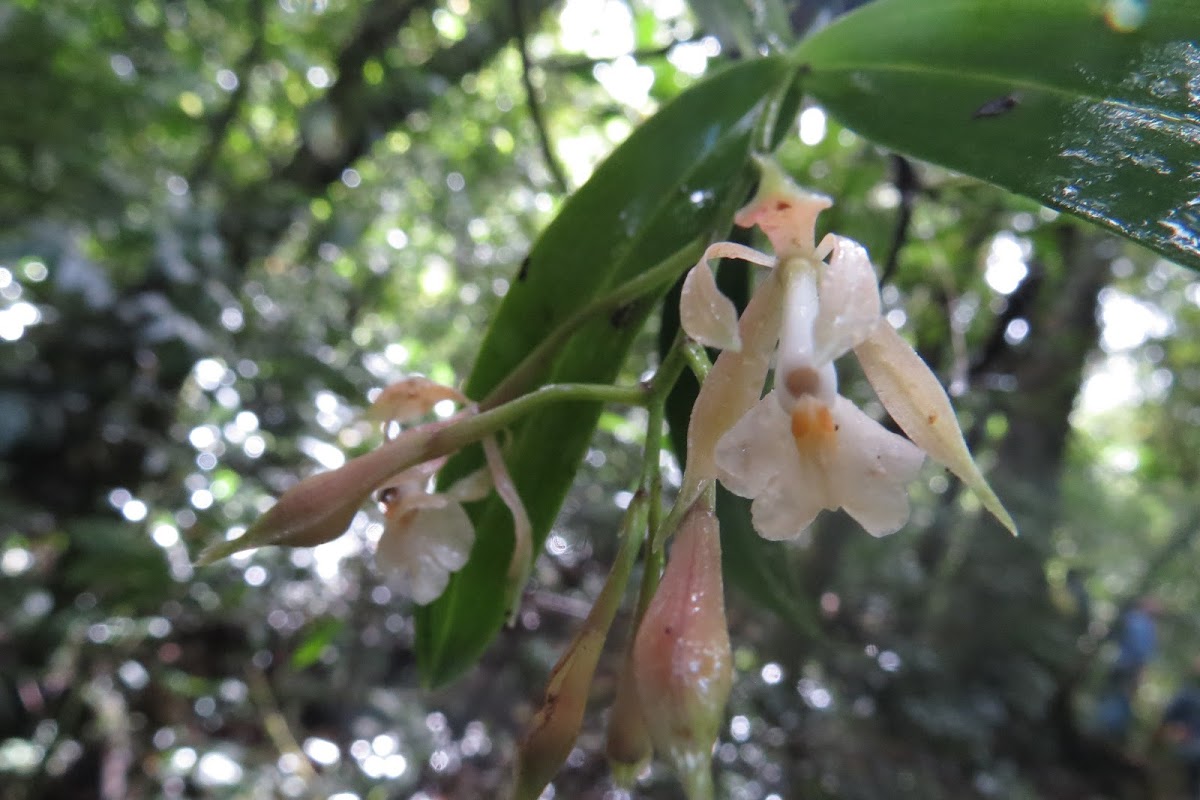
803, 447
427, 536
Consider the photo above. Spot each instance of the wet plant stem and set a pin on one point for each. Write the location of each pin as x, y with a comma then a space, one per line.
534, 366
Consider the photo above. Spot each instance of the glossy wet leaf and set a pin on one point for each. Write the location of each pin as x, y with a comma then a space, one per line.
658, 195
1047, 98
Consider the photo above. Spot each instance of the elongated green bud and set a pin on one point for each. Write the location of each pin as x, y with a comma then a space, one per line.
556, 725
628, 740
683, 664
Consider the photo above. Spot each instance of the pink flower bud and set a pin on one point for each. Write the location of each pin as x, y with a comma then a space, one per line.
682, 658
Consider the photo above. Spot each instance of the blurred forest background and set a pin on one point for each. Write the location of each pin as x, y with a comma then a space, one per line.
224, 222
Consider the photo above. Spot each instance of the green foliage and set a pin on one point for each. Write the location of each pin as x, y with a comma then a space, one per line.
321, 636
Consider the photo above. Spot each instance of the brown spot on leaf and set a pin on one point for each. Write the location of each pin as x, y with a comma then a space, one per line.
621, 316
997, 106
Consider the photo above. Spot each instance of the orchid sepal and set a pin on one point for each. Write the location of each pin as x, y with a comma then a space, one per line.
915, 399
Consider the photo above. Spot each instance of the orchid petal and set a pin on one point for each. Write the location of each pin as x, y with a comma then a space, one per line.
786, 213
758, 458
850, 306
739, 252
522, 557
448, 535
864, 469
410, 399
414, 480
917, 402
750, 455
425, 585
425, 545
475, 486
782, 512
826, 246
872, 470
735, 382
705, 314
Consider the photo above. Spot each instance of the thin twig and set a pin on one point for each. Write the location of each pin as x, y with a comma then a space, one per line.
531, 100
275, 724
557, 603
1018, 304
908, 185
221, 122
579, 63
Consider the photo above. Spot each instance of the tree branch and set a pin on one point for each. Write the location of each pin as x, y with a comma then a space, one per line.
363, 113
531, 101
908, 185
585, 63
1020, 303
358, 114
1181, 539
220, 122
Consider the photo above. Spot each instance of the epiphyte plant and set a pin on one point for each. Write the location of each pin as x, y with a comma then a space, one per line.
548, 363
797, 450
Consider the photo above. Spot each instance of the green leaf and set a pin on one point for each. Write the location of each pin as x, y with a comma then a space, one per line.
1043, 97
315, 641
659, 194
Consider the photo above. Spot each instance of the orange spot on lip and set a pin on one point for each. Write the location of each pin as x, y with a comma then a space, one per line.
812, 424
801, 424
933, 418
782, 205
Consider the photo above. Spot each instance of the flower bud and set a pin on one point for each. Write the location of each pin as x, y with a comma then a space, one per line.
319, 508
556, 725
682, 658
628, 741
